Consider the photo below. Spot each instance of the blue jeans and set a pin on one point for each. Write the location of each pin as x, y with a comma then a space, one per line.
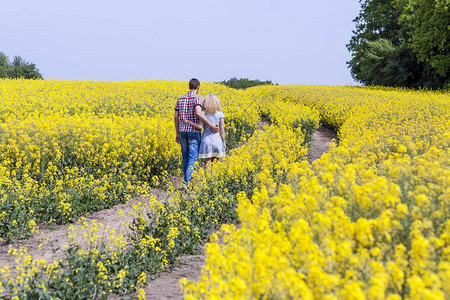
190, 142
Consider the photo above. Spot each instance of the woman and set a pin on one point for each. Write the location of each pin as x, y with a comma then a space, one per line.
213, 145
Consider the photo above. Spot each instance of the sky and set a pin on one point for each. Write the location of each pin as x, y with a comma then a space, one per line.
286, 41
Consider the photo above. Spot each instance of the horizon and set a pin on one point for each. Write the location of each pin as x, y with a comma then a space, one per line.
187, 80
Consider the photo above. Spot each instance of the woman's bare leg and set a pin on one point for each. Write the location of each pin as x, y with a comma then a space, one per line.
205, 160
207, 164
213, 160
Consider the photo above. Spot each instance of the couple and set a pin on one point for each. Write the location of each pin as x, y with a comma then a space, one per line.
192, 113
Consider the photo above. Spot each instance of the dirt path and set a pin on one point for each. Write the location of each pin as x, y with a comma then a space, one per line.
320, 143
166, 285
49, 242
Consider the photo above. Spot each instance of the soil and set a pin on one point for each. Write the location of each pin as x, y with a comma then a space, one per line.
50, 241
166, 285
320, 143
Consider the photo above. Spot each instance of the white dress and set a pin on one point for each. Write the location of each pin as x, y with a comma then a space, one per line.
211, 144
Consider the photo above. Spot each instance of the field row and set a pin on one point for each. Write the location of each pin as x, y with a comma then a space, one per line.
68, 148
172, 228
370, 219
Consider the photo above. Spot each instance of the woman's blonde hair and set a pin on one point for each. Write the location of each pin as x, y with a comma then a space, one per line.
211, 104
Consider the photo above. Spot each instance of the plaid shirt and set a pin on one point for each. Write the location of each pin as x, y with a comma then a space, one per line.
186, 110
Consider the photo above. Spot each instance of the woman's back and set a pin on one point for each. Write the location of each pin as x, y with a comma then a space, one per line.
212, 145
215, 119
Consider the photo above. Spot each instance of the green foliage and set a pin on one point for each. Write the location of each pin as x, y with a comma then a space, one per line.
381, 53
18, 68
4, 65
429, 33
383, 63
244, 83
377, 19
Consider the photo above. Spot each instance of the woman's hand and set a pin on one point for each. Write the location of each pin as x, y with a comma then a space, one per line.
186, 122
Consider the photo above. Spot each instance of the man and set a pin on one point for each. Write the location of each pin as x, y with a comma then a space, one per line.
189, 107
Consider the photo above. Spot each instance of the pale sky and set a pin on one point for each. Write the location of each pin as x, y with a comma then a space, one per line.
286, 41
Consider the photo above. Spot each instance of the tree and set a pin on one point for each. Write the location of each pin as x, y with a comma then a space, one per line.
18, 68
380, 51
244, 83
4, 65
429, 34
377, 19
383, 63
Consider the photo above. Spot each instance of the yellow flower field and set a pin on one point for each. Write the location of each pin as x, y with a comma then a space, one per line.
369, 220
68, 148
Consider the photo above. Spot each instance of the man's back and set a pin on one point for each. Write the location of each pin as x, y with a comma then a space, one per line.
186, 109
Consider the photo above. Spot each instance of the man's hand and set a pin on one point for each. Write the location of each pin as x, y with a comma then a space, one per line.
178, 139
201, 116
214, 127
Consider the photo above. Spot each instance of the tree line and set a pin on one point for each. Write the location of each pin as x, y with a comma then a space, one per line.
402, 43
244, 83
17, 68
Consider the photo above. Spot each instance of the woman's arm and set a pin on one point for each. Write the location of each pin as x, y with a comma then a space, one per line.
222, 132
198, 126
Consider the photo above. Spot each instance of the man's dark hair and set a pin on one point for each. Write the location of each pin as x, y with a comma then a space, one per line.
194, 84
